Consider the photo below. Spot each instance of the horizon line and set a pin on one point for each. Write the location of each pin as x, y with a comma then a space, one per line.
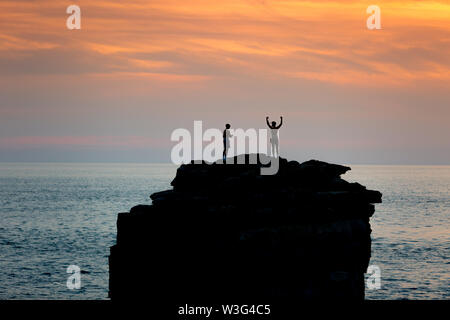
168, 162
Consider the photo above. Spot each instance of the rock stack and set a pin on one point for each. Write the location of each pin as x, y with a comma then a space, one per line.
227, 232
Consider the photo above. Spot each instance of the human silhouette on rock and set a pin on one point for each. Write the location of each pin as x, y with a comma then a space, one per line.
274, 135
226, 141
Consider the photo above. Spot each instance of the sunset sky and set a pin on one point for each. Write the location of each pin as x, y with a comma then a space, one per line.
137, 70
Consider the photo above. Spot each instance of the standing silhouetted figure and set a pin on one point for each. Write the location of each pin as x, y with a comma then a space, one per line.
226, 141
274, 135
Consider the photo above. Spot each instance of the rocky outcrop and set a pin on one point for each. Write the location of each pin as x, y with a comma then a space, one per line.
227, 232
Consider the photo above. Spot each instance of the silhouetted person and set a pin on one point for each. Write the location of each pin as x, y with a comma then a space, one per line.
274, 135
226, 141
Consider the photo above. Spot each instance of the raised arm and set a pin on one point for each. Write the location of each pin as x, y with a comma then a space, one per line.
267, 121
281, 123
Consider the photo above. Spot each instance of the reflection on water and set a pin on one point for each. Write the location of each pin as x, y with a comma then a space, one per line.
410, 237
55, 215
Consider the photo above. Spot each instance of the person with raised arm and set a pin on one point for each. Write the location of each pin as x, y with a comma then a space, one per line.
274, 135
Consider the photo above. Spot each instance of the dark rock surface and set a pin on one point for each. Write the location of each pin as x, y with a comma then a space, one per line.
226, 232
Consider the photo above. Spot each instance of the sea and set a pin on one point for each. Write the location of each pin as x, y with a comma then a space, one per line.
56, 215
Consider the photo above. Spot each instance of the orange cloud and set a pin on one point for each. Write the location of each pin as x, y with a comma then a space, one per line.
321, 40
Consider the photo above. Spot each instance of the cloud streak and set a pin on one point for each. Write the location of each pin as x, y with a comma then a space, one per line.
245, 34
172, 61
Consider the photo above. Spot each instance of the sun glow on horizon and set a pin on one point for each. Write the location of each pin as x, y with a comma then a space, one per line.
169, 61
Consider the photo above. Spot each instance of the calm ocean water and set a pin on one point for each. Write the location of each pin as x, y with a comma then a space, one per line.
56, 215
